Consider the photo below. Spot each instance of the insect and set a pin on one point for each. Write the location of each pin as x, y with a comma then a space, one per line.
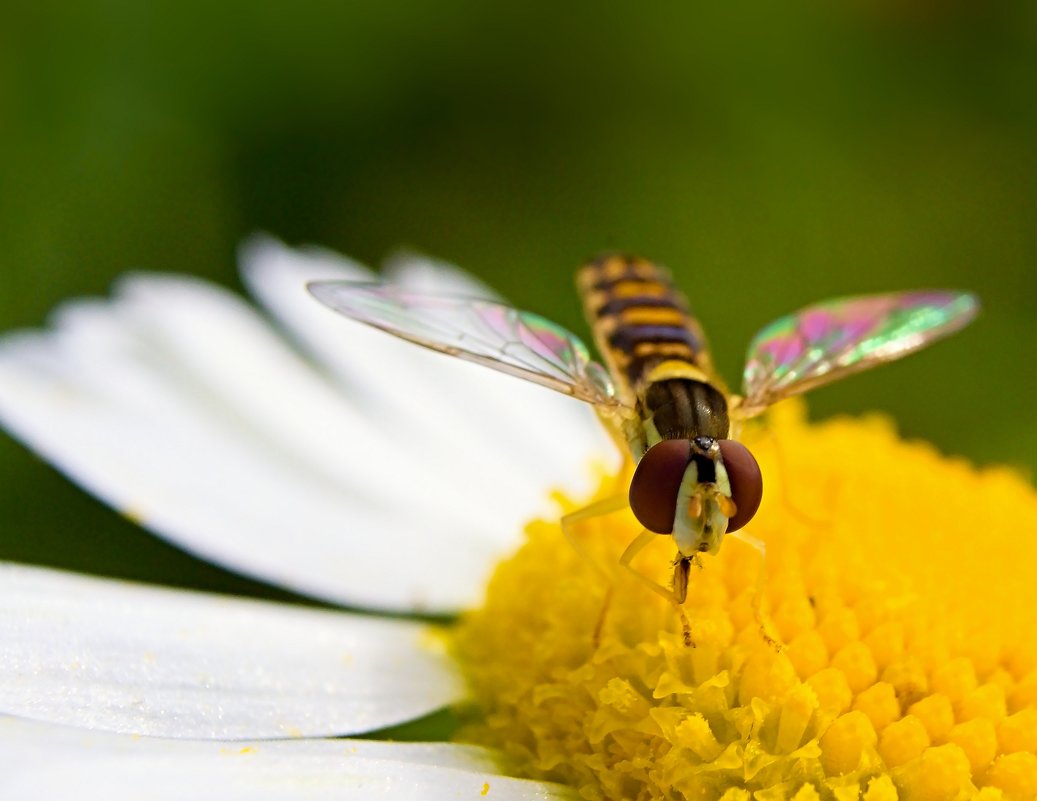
657, 390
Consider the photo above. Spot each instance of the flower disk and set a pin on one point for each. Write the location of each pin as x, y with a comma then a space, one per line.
898, 581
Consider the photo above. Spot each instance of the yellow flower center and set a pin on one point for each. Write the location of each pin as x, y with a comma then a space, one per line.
900, 584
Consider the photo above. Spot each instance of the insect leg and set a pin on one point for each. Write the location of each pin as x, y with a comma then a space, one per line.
631, 552
761, 618
606, 506
598, 509
600, 625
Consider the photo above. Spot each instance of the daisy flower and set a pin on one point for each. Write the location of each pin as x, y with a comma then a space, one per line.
330, 459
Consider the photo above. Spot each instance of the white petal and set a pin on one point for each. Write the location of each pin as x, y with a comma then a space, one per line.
427, 274
135, 410
128, 658
225, 347
506, 435
40, 761
397, 485
427, 398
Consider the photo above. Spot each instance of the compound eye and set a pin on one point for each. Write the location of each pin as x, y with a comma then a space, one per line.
746, 482
656, 481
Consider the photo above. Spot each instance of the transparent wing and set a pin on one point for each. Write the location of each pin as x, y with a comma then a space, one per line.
825, 342
519, 343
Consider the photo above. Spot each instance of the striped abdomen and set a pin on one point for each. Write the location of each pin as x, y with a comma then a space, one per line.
647, 336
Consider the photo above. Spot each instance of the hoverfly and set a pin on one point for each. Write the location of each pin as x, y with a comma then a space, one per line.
657, 391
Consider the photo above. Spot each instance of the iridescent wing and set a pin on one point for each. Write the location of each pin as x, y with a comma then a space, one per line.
516, 342
825, 342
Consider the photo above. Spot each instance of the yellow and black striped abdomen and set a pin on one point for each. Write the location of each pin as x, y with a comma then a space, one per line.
653, 347
639, 319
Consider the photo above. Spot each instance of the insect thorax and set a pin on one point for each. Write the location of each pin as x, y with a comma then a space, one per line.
679, 408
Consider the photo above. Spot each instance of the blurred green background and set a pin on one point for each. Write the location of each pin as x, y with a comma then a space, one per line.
771, 154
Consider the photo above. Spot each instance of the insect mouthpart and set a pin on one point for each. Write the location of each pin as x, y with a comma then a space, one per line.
707, 507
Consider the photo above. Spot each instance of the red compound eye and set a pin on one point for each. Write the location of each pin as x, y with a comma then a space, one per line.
746, 481
657, 479
653, 489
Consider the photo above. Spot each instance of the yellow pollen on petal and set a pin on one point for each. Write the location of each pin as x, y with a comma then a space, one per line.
906, 669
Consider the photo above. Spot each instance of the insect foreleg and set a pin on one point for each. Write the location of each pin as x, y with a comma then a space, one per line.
760, 616
600, 508
632, 550
606, 506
